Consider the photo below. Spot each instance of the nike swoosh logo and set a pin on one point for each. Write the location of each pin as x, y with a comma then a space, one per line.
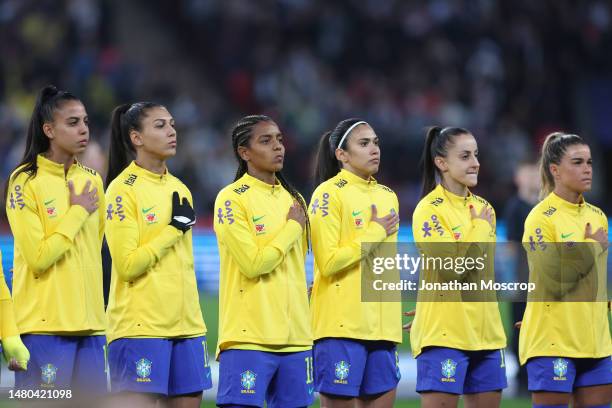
146, 210
456, 228
310, 391
255, 219
49, 202
563, 236
356, 213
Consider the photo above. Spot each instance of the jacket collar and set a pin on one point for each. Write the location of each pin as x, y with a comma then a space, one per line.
148, 175
355, 179
260, 185
49, 166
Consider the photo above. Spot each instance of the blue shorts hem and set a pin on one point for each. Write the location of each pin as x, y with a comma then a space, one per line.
297, 404
121, 389
565, 390
344, 392
232, 401
437, 389
380, 390
592, 383
542, 388
485, 389
190, 390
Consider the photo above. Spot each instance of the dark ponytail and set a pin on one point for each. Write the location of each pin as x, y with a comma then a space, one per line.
428, 166
120, 150
553, 149
437, 141
49, 99
326, 164
241, 136
124, 119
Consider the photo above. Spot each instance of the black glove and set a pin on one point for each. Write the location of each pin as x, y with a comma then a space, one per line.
183, 216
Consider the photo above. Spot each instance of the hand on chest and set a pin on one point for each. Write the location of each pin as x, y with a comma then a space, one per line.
266, 214
53, 196
573, 229
154, 206
357, 210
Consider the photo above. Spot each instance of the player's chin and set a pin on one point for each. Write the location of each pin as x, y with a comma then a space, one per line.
373, 168
471, 180
169, 152
276, 166
78, 149
584, 186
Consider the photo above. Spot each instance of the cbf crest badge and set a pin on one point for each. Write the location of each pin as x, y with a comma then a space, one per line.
560, 369
48, 374
247, 381
143, 370
449, 368
341, 372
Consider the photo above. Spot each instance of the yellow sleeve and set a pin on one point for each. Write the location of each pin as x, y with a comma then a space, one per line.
305, 243
39, 250
130, 259
4, 291
325, 222
101, 207
598, 249
429, 226
234, 231
556, 267
8, 327
435, 239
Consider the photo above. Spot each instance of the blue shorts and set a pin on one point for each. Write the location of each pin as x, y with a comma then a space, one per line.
453, 371
248, 377
159, 366
76, 363
560, 374
353, 368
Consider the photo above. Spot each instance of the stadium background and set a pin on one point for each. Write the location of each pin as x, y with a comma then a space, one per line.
510, 71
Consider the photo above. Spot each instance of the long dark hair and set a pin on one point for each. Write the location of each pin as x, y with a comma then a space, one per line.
437, 141
49, 99
553, 149
124, 119
241, 136
326, 164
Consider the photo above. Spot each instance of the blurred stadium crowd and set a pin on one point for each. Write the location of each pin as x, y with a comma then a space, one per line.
510, 71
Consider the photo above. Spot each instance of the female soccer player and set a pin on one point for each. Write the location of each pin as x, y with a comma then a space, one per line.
265, 341
16, 354
57, 268
566, 344
458, 345
355, 354
156, 333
